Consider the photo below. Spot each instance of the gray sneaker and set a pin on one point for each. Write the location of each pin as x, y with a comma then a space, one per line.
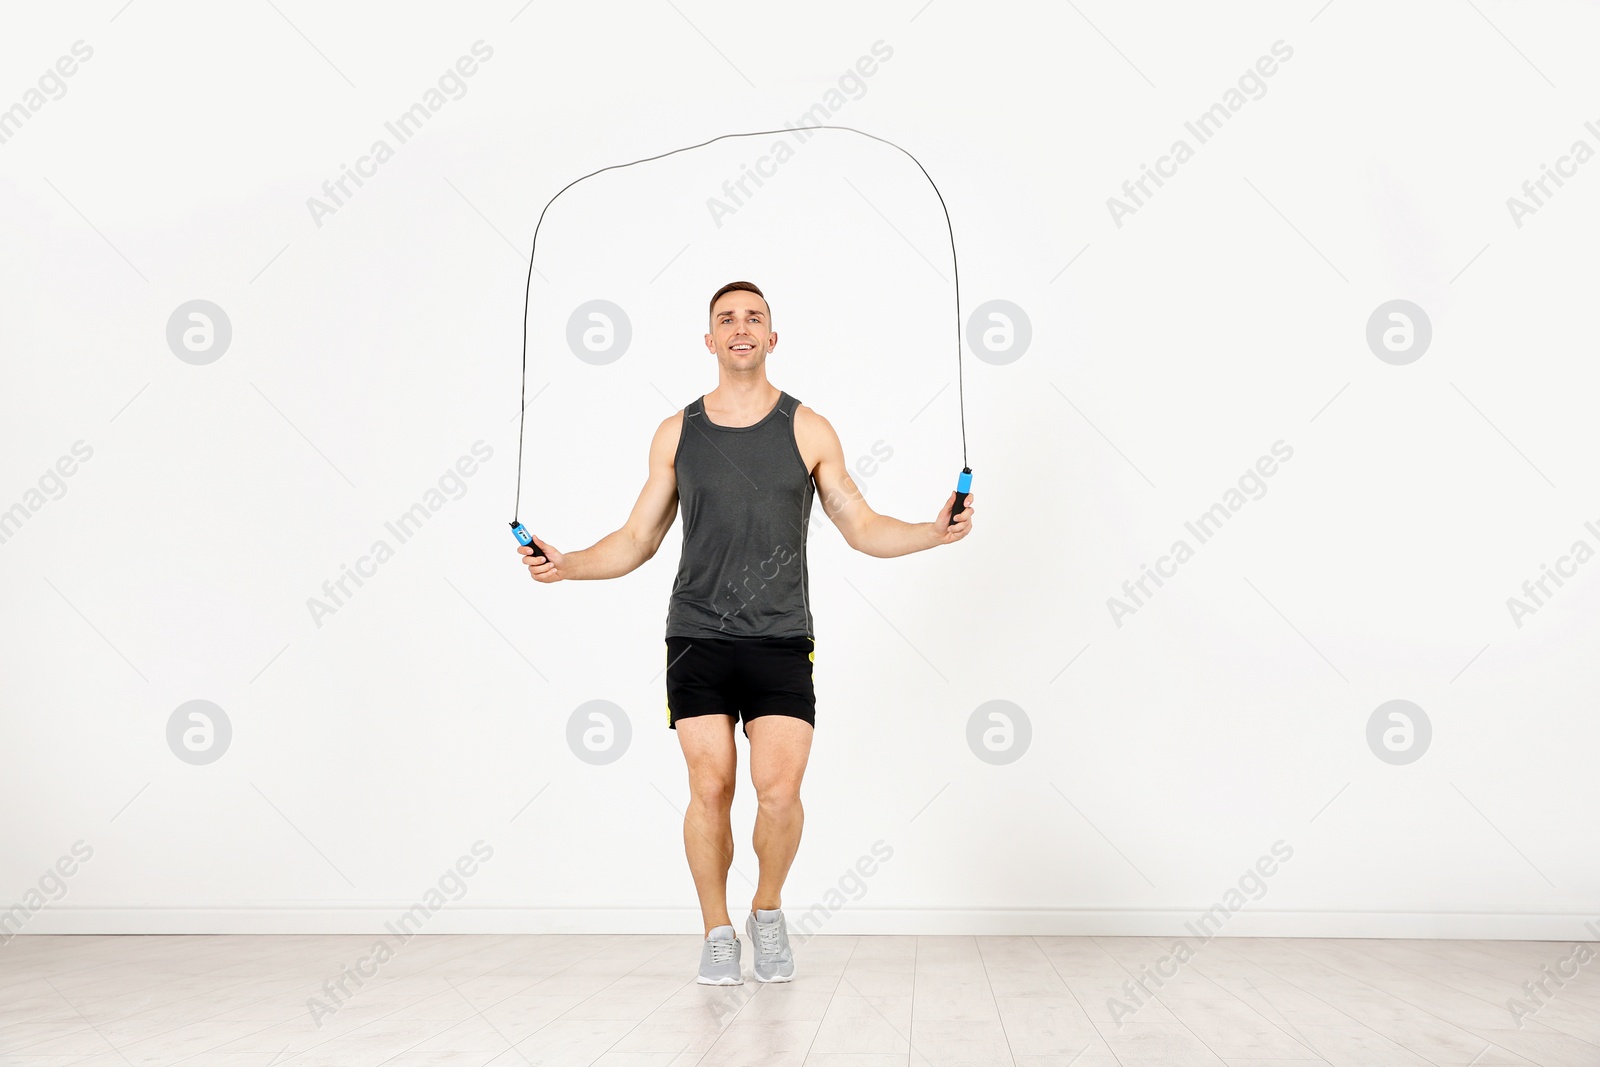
770, 935
719, 958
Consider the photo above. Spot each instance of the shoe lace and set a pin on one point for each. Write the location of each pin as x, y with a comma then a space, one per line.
767, 934
721, 951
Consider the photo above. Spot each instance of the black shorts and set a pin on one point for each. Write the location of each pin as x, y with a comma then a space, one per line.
731, 675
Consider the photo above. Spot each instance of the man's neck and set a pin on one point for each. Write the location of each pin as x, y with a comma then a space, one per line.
748, 398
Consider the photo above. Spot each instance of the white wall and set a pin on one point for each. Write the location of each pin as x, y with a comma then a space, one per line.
1169, 749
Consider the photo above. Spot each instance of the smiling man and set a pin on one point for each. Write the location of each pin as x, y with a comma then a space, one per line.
744, 460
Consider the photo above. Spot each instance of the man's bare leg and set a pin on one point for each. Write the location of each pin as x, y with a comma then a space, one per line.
707, 742
780, 745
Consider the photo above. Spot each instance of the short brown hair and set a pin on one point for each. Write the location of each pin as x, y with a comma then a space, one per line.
748, 287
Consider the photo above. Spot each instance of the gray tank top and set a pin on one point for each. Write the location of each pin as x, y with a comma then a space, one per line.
745, 495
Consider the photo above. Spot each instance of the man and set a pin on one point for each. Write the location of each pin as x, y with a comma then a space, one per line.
743, 460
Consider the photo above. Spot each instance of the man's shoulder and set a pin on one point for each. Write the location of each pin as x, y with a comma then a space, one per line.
805, 413
664, 442
810, 421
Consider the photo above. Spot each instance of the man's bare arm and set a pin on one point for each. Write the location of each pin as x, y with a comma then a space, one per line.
626, 549
864, 529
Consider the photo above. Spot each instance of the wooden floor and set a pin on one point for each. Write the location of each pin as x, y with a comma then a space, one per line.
855, 1002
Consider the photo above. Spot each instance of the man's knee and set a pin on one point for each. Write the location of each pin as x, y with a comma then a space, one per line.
712, 789
778, 795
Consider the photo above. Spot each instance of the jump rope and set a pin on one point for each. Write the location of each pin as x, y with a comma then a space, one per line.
963, 481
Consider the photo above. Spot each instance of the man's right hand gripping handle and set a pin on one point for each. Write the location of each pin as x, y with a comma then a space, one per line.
542, 560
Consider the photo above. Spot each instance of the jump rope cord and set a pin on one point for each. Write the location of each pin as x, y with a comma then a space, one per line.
528, 292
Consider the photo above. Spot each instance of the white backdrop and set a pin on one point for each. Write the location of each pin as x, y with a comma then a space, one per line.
176, 509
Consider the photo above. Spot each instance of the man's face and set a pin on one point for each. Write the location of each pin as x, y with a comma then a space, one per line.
741, 334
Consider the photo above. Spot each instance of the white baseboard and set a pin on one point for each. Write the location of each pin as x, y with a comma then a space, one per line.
294, 918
